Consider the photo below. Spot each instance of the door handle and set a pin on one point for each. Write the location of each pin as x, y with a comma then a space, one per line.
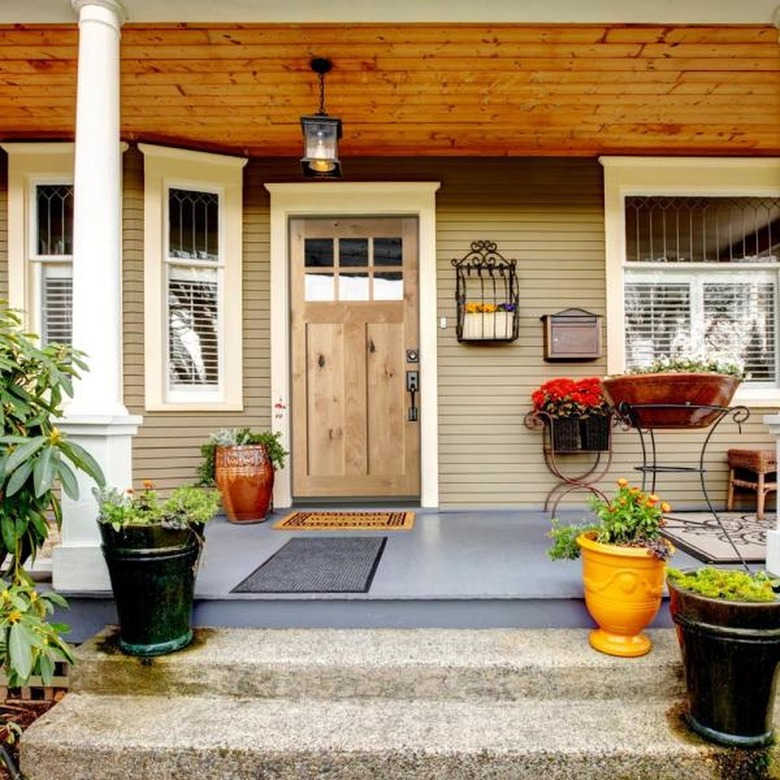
413, 387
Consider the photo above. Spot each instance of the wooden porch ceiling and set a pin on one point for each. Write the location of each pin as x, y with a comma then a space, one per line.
417, 89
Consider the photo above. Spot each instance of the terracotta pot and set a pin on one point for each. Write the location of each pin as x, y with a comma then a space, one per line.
623, 589
245, 477
668, 391
730, 652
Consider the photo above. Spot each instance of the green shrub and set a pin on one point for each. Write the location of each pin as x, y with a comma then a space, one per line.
36, 458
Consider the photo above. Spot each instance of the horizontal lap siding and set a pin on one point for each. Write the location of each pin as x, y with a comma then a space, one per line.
545, 213
3, 226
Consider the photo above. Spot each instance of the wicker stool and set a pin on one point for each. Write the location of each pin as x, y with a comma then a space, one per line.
749, 469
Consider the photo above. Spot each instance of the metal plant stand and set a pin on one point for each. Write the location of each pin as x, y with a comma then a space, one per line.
637, 415
584, 479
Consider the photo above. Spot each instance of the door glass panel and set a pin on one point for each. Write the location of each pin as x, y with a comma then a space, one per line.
353, 287
387, 251
388, 286
320, 287
318, 253
353, 252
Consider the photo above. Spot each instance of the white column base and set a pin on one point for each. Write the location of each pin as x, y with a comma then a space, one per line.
77, 563
772, 421
80, 569
773, 552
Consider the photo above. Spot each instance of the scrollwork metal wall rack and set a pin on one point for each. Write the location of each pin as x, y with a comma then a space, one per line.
486, 293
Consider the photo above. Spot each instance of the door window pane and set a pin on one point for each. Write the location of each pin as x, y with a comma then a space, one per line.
353, 252
387, 251
353, 287
318, 253
388, 286
319, 287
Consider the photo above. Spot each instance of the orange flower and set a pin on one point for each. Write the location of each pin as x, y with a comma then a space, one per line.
622, 482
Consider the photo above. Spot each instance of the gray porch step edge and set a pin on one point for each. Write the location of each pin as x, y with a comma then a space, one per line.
103, 737
497, 664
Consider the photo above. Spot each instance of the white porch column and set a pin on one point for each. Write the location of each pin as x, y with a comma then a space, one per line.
772, 421
97, 417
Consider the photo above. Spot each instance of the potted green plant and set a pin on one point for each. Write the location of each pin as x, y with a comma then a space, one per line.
152, 548
674, 392
35, 461
728, 627
623, 565
576, 412
242, 462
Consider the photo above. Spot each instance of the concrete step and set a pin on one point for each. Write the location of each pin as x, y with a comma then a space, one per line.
499, 664
499, 704
104, 737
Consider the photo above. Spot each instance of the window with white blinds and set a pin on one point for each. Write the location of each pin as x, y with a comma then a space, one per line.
193, 279
52, 254
193, 254
701, 278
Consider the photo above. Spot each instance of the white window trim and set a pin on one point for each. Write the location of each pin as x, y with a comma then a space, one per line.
30, 164
165, 168
366, 198
678, 176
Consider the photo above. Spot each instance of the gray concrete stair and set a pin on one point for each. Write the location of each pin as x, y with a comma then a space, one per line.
360, 704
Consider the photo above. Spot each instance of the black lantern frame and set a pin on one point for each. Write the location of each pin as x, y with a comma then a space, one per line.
321, 133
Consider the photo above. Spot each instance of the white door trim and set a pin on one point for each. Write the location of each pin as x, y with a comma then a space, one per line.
311, 199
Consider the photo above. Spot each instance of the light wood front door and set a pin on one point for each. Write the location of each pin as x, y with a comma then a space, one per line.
354, 307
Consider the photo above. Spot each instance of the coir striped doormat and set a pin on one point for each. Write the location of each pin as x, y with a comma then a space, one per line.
346, 521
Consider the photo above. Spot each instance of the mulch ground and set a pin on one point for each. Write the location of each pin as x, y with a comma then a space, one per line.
22, 713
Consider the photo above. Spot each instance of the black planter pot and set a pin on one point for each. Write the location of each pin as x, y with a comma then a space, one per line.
152, 572
565, 433
730, 654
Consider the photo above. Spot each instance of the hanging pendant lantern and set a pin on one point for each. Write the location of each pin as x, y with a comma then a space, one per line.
321, 133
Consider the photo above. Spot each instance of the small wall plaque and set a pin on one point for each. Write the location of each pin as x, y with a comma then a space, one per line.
572, 334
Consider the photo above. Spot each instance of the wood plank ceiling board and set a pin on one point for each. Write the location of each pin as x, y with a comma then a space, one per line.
417, 89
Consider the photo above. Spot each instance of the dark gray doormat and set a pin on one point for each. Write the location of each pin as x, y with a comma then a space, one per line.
318, 565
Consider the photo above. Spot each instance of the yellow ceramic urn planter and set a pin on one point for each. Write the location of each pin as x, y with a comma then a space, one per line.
623, 589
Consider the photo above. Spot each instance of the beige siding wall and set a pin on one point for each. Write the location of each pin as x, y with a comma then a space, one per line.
545, 213
3, 226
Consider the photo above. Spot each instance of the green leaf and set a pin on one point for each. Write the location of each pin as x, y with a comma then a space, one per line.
46, 668
83, 460
43, 475
19, 478
68, 480
23, 453
19, 649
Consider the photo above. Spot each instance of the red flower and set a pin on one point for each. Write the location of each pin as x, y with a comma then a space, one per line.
565, 397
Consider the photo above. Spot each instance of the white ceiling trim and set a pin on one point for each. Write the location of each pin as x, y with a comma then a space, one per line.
496, 11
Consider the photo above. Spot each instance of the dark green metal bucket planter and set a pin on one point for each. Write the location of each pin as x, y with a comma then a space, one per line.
730, 654
152, 572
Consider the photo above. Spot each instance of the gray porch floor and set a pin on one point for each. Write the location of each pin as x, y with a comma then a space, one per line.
454, 569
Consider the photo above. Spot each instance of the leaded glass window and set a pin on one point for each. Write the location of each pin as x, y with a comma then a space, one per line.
701, 279
53, 253
194, 279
